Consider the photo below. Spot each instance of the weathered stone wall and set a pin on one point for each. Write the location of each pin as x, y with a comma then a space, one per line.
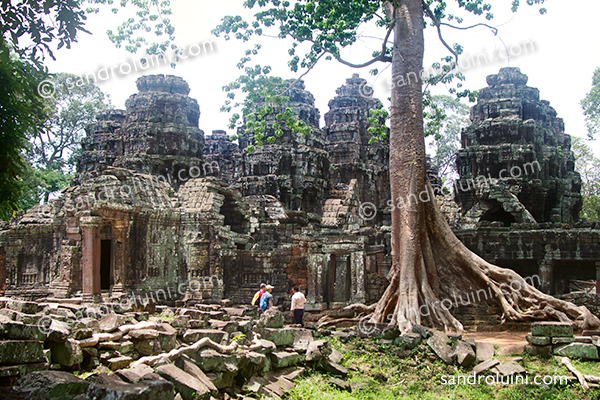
516, 164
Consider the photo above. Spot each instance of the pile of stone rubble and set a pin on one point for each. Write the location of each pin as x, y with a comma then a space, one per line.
197, 352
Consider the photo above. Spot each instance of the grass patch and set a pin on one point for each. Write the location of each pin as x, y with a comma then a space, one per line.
385, 372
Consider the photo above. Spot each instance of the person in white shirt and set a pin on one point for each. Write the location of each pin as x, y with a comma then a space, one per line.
298, 301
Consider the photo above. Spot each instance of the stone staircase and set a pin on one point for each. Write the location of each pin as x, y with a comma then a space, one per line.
485, 318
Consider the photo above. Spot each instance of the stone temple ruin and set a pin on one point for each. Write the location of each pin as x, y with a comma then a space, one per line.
158, 207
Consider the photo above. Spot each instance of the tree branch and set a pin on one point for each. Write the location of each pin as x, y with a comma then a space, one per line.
302, 76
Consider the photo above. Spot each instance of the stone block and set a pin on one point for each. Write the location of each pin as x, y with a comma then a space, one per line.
67, 354
579, 350
509, 368
538, 340
552, 329
411, 340
439, 344
485, 366
189, 387
465, 356
281, 337
110, 323
51, 385
145, 390
539, 351
191, 368
21, 352
117, 363
562, 340
18, 331
484, 351
282, 359
193, 335
25, 307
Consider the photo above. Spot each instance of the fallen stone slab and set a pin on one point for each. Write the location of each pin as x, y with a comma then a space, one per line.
562, 340
514, 349
146, 390
302, 339
485, 366
465, 356
227, 326
135, 373
552, 329
439, 344
18, 331
539, 351
282, 359
340, 384
25, 307
193, 335
235, 312
110, 323
484, 351
280, 386
281, 337
411, 340
579, 350
51, 385
539, 340
117, 363
222, 380
509, 368
67, 354
317, 350
191, 368
21, 352
333, 368
335, 356
189, 387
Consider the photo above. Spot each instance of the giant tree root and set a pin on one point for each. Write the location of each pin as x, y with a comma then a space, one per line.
205, 342
433, 273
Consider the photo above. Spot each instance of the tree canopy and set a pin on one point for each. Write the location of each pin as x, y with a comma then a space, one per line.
591, 106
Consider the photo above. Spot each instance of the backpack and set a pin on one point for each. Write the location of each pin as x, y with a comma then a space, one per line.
264, 303
256, 298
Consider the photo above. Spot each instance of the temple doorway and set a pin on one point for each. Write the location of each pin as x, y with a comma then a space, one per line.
105, 263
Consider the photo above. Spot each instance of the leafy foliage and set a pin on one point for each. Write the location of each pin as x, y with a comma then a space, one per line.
445, 116
588, 165
21, 111
591, 106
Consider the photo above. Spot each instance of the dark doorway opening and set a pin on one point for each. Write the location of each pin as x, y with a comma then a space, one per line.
330, 280
105, 261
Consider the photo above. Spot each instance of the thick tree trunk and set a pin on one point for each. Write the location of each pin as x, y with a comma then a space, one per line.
431, 268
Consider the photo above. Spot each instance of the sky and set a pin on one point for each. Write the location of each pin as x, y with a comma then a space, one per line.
558, 51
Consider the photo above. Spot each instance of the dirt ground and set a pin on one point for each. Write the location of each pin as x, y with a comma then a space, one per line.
508, 342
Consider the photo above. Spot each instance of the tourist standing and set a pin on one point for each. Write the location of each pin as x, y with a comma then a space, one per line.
298, 301
266, 300
258, 295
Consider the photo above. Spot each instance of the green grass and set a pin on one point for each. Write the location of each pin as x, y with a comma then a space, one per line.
388, 372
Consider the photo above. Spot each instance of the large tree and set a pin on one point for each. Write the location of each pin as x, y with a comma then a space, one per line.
429, 263
591, 106
588, 165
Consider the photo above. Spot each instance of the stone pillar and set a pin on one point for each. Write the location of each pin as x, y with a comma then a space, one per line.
90, 257
357, 260
597, 277
315, 281
546, 272
120, 229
